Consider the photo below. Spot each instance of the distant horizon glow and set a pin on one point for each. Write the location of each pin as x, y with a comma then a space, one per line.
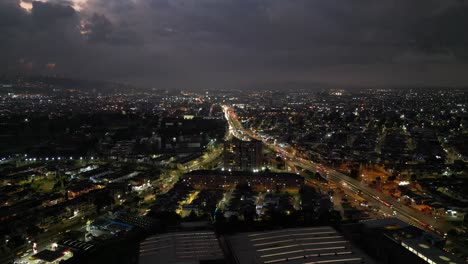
230, 43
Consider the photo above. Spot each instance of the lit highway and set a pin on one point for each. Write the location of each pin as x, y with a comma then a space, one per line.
402, 211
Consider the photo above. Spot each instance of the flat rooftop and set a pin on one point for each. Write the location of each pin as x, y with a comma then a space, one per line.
77, 245
296, 245
428, 252
180, 247
49, 255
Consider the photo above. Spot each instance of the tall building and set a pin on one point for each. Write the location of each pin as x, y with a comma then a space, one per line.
242, 155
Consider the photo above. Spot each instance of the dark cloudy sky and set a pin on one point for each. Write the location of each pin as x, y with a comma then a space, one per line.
235, 43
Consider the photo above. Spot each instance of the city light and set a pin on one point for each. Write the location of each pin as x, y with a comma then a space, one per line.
285, 159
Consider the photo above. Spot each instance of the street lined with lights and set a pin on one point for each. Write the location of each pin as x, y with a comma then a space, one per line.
438, 226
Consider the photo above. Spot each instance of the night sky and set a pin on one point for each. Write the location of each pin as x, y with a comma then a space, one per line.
238, 43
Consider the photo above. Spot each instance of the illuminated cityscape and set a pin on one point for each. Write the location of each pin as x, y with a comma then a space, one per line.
110, 170
233, 131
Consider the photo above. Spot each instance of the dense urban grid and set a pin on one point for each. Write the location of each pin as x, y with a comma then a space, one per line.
93, 172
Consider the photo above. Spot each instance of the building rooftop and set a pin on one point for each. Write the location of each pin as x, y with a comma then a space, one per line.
420, 243
180, 247
49, 255
428, 252
297, 245
77, 245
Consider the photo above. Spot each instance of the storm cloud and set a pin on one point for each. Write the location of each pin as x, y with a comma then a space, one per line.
236, 43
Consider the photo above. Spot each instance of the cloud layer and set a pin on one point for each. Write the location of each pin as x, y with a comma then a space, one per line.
236, 43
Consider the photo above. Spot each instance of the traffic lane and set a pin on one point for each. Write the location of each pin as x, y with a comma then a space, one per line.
388, 210
416, 216
390, 201
410, 213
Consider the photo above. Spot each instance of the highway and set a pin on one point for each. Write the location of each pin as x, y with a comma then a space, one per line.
403, 212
